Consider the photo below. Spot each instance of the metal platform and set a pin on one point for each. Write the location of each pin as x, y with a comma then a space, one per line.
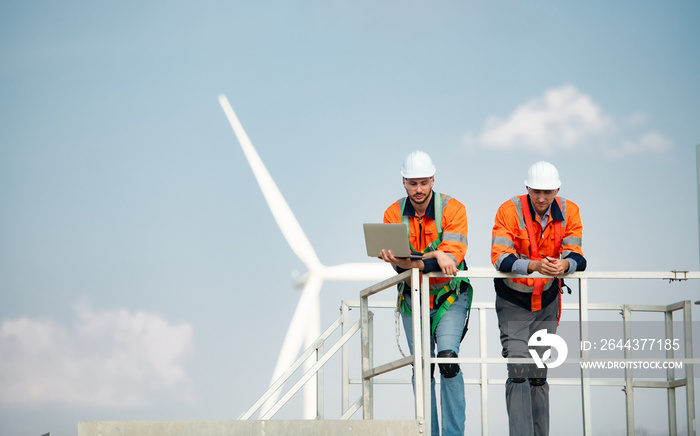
251, 427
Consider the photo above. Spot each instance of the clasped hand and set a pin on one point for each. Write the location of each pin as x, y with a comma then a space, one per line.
549, 267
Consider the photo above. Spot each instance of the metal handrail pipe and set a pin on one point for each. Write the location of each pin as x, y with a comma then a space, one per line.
378, 287
312, 371
487, 273
291, 370
388, 367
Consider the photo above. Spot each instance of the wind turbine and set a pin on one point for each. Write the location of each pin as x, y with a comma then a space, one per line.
305, 326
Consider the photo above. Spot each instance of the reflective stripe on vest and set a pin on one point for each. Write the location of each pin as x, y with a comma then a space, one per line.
536, 299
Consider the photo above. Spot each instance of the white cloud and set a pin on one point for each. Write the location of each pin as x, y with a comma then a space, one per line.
653, 142
565, 118
112, 358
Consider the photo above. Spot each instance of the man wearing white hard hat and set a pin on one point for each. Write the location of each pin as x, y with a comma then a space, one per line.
437, 229
538, 232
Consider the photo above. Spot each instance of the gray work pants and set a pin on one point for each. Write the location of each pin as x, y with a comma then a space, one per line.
527, 392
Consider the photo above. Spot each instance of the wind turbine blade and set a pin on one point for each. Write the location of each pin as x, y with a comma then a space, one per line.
281, 211
303, 330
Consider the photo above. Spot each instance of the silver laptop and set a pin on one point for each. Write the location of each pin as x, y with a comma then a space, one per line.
392, 237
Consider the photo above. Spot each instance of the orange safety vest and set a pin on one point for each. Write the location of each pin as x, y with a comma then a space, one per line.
516, 237
444, 227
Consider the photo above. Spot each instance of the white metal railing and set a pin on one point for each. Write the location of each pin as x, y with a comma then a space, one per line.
421, 359
321, 358
316, 351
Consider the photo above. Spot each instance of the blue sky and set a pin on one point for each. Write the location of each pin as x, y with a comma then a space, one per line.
142, 274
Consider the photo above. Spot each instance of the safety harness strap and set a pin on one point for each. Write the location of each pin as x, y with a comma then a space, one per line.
536, 299
438, 223
442, 299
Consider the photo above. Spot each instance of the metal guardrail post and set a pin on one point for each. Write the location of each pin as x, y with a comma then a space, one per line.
424, 340
689, 370
585, 381
422, 408
483, 373
345, 353
367, 396
319, 384
370, 333
629, 379
670, 376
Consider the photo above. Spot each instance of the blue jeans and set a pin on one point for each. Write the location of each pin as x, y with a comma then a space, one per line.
448, 335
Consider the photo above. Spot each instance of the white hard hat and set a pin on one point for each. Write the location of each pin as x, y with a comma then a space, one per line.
417, 165
543, 175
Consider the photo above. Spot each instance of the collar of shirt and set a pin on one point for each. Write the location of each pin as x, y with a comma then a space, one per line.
410, 211
553, 210
545, 218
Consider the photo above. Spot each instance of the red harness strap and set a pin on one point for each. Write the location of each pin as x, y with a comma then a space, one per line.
536, 299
